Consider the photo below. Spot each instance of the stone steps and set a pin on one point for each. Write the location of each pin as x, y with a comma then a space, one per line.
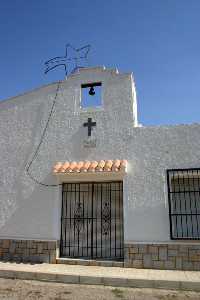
89, 262
97, 275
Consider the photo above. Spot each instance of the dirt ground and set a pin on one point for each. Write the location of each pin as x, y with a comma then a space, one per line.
32, 290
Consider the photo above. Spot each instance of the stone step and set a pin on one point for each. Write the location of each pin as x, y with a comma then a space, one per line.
95, 275
89, 262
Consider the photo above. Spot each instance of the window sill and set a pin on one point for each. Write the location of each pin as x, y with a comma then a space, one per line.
84, 110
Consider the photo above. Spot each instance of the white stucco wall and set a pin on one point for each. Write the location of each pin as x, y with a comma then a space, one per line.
28, 210
150, 152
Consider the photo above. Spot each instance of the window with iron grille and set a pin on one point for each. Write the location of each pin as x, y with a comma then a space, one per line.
184, 203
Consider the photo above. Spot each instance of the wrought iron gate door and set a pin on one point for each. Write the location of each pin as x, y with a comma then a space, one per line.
92, 220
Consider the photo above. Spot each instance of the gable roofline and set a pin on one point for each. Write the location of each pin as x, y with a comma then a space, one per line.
32, 91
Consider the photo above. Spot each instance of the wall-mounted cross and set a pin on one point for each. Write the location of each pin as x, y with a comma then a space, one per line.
90, 125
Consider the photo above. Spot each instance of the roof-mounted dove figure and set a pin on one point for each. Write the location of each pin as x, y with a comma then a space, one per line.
71, 59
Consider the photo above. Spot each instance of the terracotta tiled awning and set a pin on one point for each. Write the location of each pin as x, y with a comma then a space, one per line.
90, 166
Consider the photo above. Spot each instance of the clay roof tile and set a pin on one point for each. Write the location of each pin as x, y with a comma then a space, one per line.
90, 166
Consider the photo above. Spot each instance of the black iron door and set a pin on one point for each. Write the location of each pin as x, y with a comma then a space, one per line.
92, 220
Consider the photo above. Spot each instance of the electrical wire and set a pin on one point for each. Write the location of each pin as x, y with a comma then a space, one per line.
40, 143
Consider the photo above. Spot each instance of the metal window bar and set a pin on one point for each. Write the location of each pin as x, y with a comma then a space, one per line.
92, 220
184, 203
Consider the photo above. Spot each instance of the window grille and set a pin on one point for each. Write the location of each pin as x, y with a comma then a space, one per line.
184, 203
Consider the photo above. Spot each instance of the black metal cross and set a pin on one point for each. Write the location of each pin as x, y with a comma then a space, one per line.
89, 124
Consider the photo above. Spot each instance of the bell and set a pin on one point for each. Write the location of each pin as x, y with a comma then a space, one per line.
92, 91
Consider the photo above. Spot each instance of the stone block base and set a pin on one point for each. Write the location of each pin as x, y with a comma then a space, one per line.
28, 251
163, 256
147, 256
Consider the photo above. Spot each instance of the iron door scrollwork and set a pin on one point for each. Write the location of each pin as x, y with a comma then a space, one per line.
106, 217
78, 217
92, 220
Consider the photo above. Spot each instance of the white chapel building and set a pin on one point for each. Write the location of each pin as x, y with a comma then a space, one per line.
82, 181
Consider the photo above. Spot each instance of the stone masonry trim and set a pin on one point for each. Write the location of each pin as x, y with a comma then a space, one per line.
163, 256
144, 256
28, 251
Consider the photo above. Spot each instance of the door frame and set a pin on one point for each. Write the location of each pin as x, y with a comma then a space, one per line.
121, 201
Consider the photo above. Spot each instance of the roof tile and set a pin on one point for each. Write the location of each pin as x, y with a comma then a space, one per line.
90, 166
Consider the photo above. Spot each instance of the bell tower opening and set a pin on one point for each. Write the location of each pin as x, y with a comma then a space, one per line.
91, 95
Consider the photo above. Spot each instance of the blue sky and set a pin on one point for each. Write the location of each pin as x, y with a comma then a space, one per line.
157, 40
